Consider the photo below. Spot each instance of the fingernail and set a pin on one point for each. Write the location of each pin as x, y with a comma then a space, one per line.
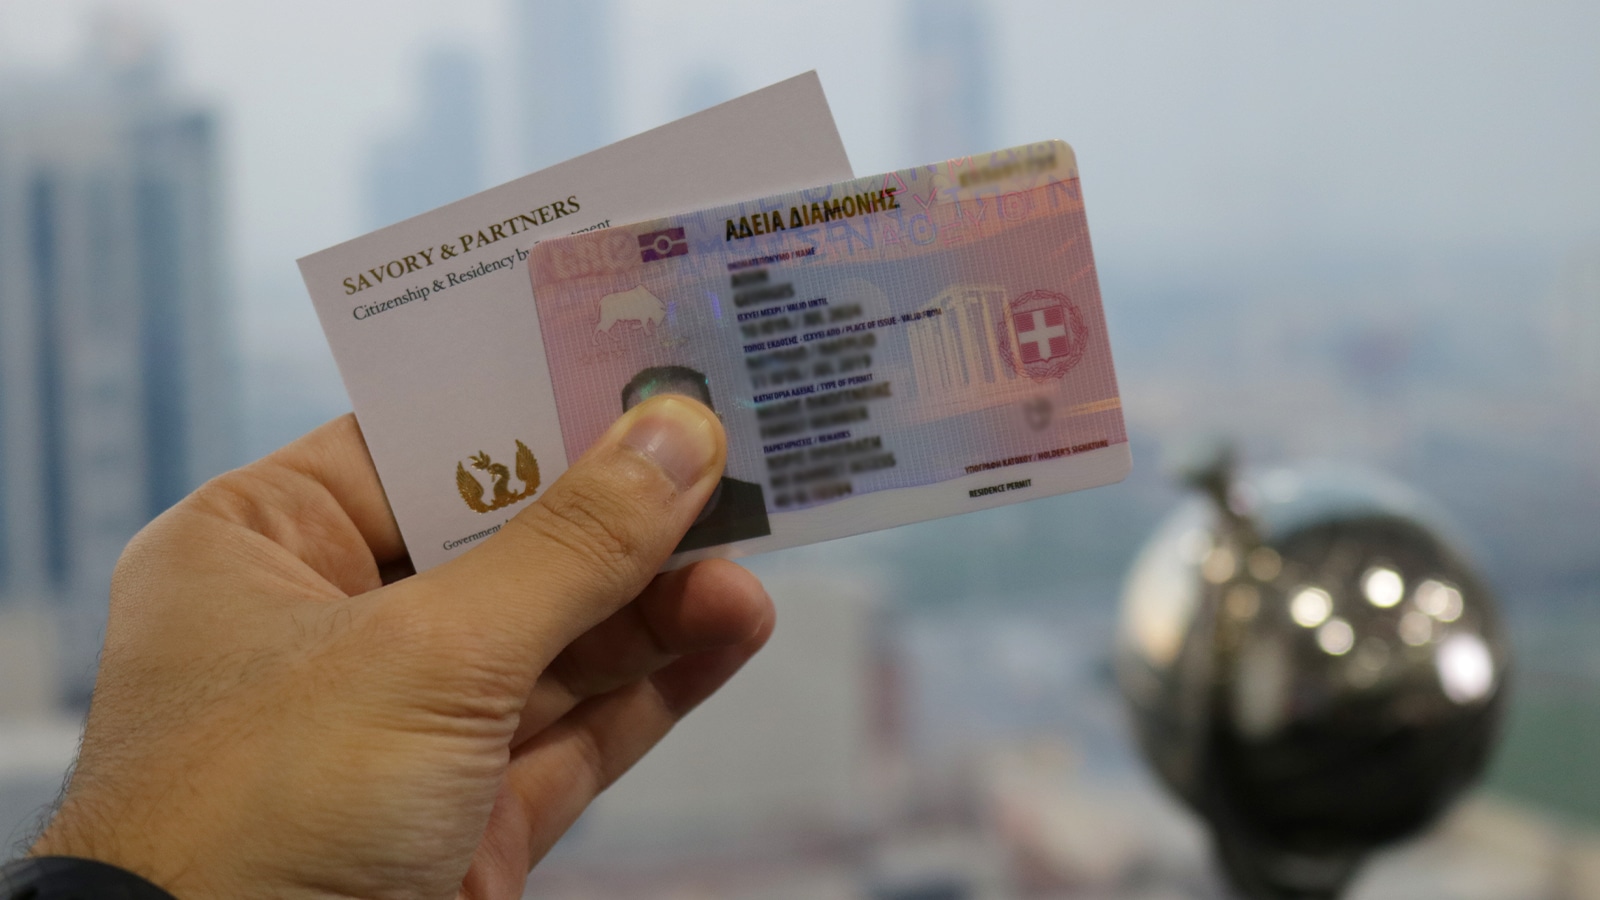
676, 435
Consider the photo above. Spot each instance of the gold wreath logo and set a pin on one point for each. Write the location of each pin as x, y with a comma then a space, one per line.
472, 490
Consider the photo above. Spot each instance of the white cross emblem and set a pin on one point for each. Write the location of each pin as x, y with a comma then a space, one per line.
1039, 334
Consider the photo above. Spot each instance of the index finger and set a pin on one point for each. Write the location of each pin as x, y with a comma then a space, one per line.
335, 456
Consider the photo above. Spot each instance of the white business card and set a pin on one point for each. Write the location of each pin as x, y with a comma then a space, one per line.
432, 320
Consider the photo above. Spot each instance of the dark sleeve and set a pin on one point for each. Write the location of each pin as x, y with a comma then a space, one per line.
68, 878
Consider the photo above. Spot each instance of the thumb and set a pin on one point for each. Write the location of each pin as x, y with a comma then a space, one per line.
593, 541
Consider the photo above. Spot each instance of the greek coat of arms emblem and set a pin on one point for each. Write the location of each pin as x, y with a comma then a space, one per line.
1049, 332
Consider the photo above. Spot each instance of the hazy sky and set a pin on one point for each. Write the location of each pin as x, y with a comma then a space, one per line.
1204, 131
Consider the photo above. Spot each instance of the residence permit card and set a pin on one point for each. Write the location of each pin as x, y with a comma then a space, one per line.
432, 323
881, 351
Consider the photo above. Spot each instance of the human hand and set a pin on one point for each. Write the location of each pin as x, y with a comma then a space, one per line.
271, 720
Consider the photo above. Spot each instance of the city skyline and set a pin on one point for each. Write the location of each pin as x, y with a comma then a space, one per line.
1206, 138
291, 385
1388, 331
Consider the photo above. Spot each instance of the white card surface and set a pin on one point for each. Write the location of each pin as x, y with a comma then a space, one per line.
432, 320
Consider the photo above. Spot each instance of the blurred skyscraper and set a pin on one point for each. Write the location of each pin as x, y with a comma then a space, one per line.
115, 382
439, 156
951, 68
563, 69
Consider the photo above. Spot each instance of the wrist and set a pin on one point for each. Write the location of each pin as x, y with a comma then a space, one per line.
182, 860
72, 878
76, 836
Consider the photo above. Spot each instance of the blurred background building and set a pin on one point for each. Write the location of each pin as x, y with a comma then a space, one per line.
950, 70
1366, 233
440, 155
566, 70
116, 345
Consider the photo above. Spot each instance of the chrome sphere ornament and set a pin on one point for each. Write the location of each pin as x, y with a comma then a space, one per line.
1312, 667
